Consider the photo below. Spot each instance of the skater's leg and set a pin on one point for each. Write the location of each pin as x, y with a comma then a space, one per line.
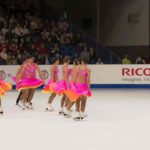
63, 100
51, 98
30, 97
67, 111
83, 106
66, 102
31, 94
78, 105
25, 95
70, 104
19, 97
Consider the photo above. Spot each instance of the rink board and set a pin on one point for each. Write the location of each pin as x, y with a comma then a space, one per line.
102, 76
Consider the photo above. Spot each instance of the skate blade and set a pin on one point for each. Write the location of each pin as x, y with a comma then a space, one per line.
61, 113
67, 116
76, 119
29, 108
22, 108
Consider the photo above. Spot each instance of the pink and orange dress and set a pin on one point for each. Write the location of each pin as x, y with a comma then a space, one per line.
29, 80
62, 84
4, 87
71, 92
52, 83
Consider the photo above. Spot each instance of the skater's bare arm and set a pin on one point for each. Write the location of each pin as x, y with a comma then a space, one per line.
39, 71
52, 74
89, 77
67, 77
18, 73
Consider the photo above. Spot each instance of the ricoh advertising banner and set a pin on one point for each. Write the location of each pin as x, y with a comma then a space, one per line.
100, 74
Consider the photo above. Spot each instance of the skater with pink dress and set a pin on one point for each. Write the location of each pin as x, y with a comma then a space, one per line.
52, 84
27, 80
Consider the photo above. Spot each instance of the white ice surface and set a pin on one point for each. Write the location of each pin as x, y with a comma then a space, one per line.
117, 120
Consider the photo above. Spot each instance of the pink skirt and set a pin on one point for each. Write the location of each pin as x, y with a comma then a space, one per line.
72, 92
61, 87
82, 89
29, 83
50, 87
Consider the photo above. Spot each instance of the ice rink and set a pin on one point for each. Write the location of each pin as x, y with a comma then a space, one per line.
117, 120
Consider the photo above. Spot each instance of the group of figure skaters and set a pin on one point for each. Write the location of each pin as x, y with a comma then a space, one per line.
73, 87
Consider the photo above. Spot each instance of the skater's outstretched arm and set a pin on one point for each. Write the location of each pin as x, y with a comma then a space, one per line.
39, 71
89, 77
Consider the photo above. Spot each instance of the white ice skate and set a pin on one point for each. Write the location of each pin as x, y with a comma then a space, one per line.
49, 108
61, 112
1, 110
18, 104
76, 116
82, 115
29, 106
67, 113
22, 105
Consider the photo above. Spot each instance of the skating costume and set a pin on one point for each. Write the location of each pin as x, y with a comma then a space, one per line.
83, 88
4, 87
62, 84
71, 92
52, 83
29, 80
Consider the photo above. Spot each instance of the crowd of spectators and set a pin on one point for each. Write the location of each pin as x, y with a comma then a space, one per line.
139, 60
26, 32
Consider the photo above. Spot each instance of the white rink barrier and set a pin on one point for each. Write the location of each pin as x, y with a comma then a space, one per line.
101, 75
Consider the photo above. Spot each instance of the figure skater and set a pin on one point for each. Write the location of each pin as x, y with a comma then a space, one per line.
52, 83
71, 92
27, 81
82, 89
63, 85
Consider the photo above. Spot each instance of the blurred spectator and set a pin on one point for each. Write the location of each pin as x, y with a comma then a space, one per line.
99, 61
42, 50
42, 59
78, 39
48, 44
140, 60
54, 52
13, 60
47, 62
92, 55
4, 55
126, 60
85, 54
62, 24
